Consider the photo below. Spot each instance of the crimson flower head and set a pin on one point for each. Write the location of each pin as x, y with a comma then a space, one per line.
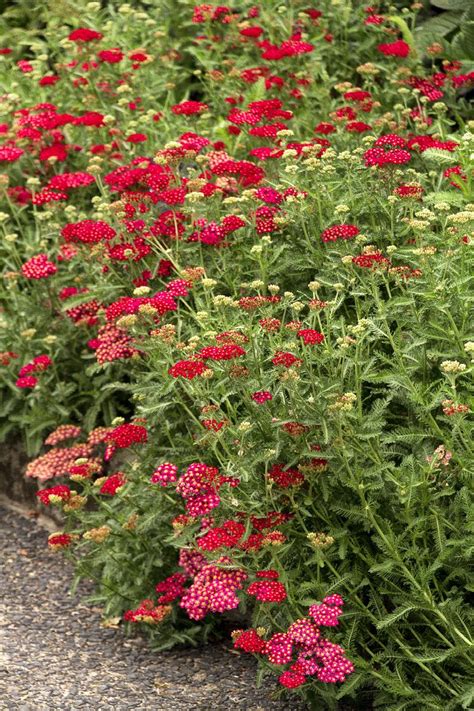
87, 231
369, 261
38, 364
310, 336
187, 369
38, 267
136, 138
113, 483
187, 108
171, 588
285, 477
111, 56
286, 359
395, 49
84, 34
292, 679
127, 434
227, 352
49, 80
27, 381
380, 157
164, 474
268, 590
248, 641
325, 128
41, 362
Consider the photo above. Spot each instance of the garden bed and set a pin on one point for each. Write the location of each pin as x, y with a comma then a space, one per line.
237, 330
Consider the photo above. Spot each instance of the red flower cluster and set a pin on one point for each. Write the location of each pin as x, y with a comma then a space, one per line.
332, 234
371, 260
285, 477
187, 369
380, 157
310, 336
127, 434
113, 483
88, 232
286, 359
399, 48
37, 365
124, 436
84, 34
51, 495
268, 590
172, 588
228, 352
188, 108
112, 343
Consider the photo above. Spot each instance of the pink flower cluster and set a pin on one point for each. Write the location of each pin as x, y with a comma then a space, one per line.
62, 433
112, 343
327, 613
199, 486
164, 474
38, 267
191, 561
303, 647
213, 590
57, 462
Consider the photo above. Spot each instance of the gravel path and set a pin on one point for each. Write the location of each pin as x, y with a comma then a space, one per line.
54, 656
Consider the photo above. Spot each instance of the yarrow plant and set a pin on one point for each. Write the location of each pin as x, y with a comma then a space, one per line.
237, 248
